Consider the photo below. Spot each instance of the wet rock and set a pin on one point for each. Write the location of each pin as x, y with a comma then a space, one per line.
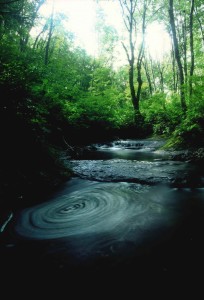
188, 155
165, 172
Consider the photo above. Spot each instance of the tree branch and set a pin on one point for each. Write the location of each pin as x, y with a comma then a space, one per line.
126, 51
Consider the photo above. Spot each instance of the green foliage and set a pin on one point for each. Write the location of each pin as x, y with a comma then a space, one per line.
162, 112
191, 130
77, 98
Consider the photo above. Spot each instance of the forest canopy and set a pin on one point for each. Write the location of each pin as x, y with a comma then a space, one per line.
54, 93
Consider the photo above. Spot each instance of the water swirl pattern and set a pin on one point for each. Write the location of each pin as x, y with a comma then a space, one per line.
108, 220
106, 211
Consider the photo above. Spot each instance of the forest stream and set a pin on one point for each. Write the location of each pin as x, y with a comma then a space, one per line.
128, 207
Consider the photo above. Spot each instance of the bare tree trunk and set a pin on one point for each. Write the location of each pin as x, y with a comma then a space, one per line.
177, 56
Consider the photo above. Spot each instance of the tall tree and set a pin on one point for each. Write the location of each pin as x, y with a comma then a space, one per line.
50, 33
128, 8
129, 17
177, 55
141, 52
199, 14
192, 66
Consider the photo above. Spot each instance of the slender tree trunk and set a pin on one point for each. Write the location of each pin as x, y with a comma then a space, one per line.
153, 74
161, 73
131, 60
141, 54
148, 77
200, 25
47, 47
191, 50
139, 81
174, 70
26, 35
129, 21
37, 38
177, 56
184, 37
135, 101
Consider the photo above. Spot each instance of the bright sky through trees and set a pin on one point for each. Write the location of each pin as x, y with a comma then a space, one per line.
82, 20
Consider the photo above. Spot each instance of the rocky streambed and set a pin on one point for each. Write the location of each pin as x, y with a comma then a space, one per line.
139, 161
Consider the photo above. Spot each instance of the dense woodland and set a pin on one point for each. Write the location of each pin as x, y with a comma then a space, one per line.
55, 96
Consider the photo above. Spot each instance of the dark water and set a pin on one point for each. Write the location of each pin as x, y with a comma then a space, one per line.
135, 231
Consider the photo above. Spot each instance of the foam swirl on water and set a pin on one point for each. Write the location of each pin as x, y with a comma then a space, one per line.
120, 210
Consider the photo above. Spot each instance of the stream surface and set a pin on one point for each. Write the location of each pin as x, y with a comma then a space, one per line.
130, 208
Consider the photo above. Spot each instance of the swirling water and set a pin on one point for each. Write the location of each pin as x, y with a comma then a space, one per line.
99, 225
104, 225
121, 210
